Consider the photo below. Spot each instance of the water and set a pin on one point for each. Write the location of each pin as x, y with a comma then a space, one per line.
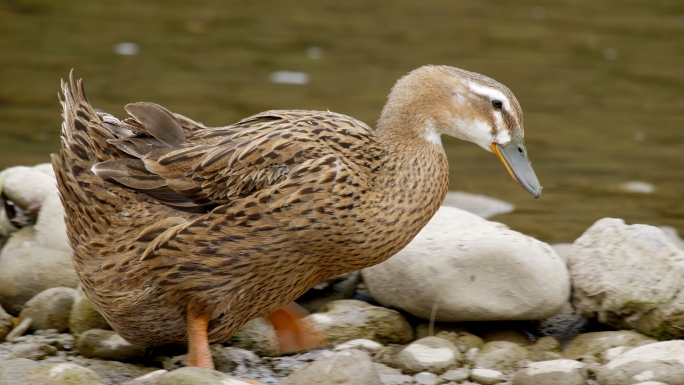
601, 82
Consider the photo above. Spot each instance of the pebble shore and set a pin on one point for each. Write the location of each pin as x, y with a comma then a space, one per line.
468, 302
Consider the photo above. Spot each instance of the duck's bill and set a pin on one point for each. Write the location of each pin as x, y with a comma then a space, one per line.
514, 157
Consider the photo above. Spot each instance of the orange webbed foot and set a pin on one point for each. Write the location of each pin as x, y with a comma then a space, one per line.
295, 334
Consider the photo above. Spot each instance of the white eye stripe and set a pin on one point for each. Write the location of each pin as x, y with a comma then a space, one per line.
491, 93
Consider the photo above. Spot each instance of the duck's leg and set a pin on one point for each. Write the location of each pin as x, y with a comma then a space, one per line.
198, 343
294, 334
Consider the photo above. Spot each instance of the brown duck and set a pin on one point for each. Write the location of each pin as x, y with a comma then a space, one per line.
182, 232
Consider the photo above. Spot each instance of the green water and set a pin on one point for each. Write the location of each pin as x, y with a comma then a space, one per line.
601, 82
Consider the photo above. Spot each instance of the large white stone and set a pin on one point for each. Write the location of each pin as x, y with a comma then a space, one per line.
660, 362
479, 205
26, 269
50, 227
629, 277
27, 187
465, 268
566, 372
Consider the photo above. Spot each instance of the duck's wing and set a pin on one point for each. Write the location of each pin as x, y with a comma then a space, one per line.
199, 169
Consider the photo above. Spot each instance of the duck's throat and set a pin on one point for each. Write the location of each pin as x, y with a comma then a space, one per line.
412, 191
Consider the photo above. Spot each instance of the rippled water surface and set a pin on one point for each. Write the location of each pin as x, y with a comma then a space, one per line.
601, 82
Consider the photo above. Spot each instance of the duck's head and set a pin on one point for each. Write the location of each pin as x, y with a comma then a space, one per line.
440, 100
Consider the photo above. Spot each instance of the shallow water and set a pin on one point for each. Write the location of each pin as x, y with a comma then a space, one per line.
601, 82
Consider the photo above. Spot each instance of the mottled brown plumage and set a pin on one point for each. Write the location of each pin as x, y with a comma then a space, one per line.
168, 217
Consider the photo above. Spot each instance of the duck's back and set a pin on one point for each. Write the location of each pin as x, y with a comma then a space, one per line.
238, 221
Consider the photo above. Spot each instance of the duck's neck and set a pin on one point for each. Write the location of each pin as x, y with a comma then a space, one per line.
412, 186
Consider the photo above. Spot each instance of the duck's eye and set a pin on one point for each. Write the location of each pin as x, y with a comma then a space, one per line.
520, 150
497, 104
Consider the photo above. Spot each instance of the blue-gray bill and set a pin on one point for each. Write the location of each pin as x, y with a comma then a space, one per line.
514, 157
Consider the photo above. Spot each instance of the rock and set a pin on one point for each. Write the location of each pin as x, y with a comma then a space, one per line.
347, 320
50, 227
661, 362
360, 344
27, 269
503, 356
672, 233
614, 352
629, 277
17, 371
480, 205
596, 343
429, 354
66, 374
229, 360
426, 378
456, 375
5, 323
148, 379
352, 367
545, 349
563, 250
258, 336
33, 351
197, 376
107, 345
392, 376
566, 372
50, 309
84, 317
449, 269
113, 372
26, 187
388, 355
487, 376
651, 383
464, 341
45, 168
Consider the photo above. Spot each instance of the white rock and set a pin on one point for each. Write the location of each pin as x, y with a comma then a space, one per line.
650, 383
361, 344
614, 352
502, 356
487, 376
50, 227
346, 320
429, 354
630, 277
674, 235
563, 250
45, 168
426, 378
597, 343
27, 269
469, 269
479, 205
26, 186
566, 372
660, 362
456, 375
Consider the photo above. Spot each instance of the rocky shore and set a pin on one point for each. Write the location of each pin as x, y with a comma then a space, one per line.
469, 301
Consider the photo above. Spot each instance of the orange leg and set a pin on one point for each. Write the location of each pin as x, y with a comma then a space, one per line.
198, 343
293, 333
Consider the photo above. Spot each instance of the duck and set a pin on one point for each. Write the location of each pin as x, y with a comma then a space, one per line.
183, 233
